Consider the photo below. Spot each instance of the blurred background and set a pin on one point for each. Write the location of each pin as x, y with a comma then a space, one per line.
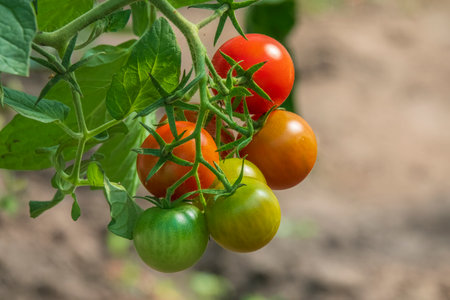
372, 221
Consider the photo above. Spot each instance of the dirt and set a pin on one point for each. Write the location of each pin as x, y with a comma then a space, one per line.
372, 221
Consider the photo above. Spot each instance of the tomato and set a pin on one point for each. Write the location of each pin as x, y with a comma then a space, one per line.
276, 77
232, 167
171, 240
170, 172
226, 136
285, 149
247, 220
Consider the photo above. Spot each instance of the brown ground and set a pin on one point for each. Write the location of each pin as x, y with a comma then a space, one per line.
371, 222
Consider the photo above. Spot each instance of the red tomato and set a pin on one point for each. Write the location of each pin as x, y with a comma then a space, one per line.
285, 149
276, 77
170, 172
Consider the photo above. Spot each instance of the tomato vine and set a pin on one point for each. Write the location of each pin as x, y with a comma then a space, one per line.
137, 78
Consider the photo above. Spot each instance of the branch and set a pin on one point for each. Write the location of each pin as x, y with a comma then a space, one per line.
58, 38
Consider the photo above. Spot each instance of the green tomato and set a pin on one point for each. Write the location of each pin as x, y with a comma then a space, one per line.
247, 220
171, 240
232, 168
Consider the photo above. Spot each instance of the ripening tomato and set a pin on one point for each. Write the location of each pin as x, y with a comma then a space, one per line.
285, 149
170, 172
246, 220
226, 136
232, 167
171, 240
276, 77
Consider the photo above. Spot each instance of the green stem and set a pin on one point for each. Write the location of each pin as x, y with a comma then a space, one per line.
79, 112
59, 38
227, 120
217, 79
70, 132
103, 127
217, 13
75, 175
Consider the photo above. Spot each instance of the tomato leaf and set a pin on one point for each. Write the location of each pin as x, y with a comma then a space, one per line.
124, 210
75, 211
141, 17
158, 53
93, 77
53, 14
45, 111
38, 207
17, 27
95, 175
21, 139
119, 162
116, 21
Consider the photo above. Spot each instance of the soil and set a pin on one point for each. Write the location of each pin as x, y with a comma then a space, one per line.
371, 222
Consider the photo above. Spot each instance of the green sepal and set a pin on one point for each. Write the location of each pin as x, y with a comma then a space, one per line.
38, 207
75, 212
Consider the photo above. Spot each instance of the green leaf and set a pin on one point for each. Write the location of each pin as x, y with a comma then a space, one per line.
38, 207
45, 111
21, 139
106, 54
119, 162
117, 21
75, 212
158, 53
95, 175
275, 18
182, 3
17, 30
141, 17
53, 14
94, 78
124, 210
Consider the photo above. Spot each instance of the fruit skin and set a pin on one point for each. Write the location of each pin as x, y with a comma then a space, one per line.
231, 167
276, 77
247, 220
170, 172
285, 149
171, 240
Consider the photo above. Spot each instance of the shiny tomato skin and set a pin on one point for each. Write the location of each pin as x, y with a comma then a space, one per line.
245, 221
232, 167
285, 149
171, 240
170, 172
276, 77
226, 136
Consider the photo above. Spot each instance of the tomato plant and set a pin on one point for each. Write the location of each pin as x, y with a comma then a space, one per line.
285, 149
171, 239
94, 120
275, 77
171, 171
247, 220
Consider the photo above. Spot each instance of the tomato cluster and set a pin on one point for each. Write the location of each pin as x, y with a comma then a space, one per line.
231, 198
